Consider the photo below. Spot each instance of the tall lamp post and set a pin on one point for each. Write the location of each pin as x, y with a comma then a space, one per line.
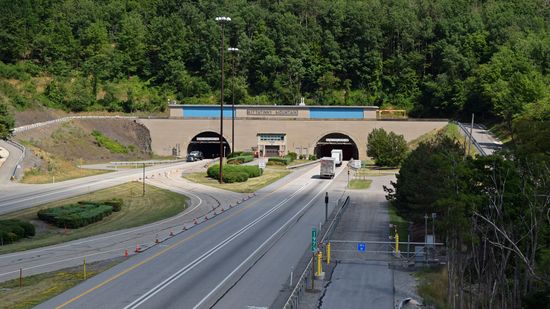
235, 51
222, 20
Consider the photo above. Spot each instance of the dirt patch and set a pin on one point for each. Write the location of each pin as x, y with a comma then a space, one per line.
40, 114
73, 140
59, 148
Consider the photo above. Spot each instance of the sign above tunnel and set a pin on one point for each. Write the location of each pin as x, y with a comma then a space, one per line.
337, 140
271, 112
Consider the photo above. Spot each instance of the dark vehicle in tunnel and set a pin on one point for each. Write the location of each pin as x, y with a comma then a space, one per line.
194, 156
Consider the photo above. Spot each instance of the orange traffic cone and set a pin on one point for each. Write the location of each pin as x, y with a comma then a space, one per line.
125, 253
138, 249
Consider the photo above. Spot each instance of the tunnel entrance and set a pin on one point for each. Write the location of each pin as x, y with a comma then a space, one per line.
336, 141
209, 144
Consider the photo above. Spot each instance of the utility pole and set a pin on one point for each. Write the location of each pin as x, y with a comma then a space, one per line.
143, 179
222, 20
326, 206
233, 50
471, 136
426, 237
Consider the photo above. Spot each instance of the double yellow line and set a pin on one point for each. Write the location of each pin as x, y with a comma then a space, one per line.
127, 270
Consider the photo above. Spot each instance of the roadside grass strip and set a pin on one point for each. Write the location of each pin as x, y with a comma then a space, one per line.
251, 185
360, 184
137, 210
36, 289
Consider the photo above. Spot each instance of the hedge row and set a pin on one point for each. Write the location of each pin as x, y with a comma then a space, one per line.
234, 173
240, 159
12, 230
81, 214
239, 154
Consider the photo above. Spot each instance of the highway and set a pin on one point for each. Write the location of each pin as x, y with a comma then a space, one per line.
203, 201
259, 241
21, 196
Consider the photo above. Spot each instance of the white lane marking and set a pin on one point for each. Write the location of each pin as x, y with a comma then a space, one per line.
201, 302
123, 178
109, 236
159, 287
65, 260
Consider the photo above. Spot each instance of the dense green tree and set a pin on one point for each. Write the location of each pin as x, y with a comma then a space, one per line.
387, 149
6, 122
439, 58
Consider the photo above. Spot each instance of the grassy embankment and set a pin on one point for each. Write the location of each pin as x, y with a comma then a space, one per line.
451, 130
137, 210
38, 288
433, 287
251, 185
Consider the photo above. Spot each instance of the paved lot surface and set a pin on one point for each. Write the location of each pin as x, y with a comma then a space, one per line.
362, 280
214, 263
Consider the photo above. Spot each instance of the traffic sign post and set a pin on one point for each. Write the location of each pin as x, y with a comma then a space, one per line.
313, 240
326, 206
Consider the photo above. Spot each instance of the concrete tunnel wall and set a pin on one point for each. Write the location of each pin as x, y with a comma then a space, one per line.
167, 133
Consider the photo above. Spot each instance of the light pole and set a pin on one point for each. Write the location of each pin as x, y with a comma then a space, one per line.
222, 20
434, 215
235, 51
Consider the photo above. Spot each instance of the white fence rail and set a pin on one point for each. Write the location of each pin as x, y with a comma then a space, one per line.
65, 119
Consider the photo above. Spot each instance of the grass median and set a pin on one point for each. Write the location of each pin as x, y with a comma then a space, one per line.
137, 210
37, 289
360, 184
251, 185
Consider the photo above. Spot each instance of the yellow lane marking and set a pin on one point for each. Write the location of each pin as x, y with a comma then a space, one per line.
77, 297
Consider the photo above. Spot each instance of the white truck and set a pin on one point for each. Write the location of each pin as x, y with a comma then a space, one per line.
338, 155
328, 167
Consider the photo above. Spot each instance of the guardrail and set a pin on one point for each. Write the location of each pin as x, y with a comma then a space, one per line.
23, 149
293, 300
65, 119
467, 133
148, 162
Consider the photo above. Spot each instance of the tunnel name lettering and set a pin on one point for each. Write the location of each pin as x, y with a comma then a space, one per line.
271, 112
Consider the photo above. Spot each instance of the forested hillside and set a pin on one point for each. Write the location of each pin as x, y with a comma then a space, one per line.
432, 57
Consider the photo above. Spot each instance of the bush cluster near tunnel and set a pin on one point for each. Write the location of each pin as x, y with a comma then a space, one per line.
234, 173
80, 214
12, 230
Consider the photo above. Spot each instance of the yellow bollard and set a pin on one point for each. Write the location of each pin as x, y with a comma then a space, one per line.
319, 263
328, 254
396, 243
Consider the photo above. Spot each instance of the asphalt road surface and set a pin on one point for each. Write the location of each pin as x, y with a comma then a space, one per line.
21, 196
218, 263
203, 201
6, 170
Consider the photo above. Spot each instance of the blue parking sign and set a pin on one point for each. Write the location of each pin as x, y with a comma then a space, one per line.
361, 247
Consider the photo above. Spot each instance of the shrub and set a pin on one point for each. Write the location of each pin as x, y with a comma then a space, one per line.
251, 171
12, 230
235, 177
292, 155
279, 161
111, 144
116, 203
240, 159
76, 215
312, 157
302, 157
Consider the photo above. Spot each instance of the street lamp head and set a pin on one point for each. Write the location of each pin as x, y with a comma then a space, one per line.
223, 19
232, 49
